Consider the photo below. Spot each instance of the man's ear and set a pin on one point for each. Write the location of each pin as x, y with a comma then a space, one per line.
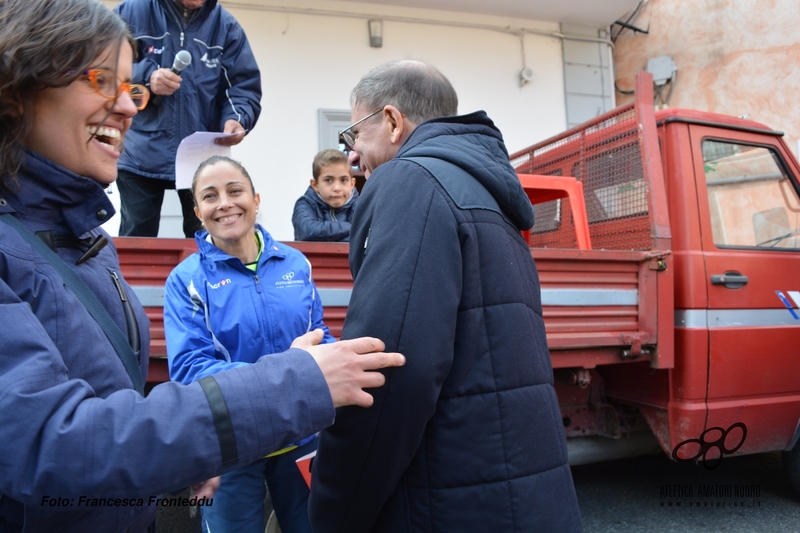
314, 185
397, 123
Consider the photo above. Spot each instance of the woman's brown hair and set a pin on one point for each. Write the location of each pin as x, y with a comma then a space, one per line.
45, 43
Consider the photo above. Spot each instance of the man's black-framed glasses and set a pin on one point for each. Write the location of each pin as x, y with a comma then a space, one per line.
347, 137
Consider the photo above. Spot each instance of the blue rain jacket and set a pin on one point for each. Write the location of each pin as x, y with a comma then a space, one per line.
71, 426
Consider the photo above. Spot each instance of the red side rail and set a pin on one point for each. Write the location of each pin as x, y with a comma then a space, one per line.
147, 262
616, 158
542, 189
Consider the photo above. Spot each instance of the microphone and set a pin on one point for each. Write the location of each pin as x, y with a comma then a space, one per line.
182, 60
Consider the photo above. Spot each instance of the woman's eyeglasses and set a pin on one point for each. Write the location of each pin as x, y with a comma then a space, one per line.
108, 85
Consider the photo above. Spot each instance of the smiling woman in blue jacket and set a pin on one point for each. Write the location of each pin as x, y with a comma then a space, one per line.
241, 296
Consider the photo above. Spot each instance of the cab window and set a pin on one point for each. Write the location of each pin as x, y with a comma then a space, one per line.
752, 201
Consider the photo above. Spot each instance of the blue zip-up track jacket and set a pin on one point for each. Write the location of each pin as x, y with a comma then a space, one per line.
218, 314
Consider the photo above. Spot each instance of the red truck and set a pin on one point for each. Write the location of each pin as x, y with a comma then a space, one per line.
668, 266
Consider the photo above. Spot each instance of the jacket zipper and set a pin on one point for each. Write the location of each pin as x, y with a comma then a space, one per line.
261, 316
178, 21
130, 318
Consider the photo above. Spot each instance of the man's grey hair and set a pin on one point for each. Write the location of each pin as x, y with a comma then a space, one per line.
417, 89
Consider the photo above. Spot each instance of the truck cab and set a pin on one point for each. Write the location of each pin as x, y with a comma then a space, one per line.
707, 206
732, 189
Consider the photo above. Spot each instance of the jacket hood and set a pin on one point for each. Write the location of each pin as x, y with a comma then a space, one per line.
46, 192
473, 143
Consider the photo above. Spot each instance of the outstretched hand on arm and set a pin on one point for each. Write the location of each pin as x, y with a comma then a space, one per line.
348, 366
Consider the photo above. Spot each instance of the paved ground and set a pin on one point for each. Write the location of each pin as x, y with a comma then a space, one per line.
176, 520
633, 495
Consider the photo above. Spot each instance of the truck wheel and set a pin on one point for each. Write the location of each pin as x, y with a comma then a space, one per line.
791, 463
272, 524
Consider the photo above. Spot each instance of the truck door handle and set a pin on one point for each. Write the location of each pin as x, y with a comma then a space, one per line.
731, 280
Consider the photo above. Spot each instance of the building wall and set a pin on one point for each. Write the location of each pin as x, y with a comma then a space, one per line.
736, 57
311, 60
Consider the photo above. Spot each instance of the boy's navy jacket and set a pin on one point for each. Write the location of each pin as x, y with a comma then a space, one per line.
218, 314
71, 424
222, 82
467, 436
314, 220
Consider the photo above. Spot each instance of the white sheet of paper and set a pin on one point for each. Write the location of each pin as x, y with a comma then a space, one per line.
192, 151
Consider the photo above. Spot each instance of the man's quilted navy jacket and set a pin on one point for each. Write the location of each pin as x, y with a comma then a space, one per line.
467, 436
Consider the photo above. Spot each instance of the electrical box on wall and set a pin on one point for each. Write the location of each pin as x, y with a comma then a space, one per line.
662, 68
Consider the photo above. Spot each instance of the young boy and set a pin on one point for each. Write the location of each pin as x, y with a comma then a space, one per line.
325, 211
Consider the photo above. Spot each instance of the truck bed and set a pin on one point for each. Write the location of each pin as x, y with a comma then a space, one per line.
599, 305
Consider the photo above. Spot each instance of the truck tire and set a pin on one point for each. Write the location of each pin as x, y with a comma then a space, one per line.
791, 463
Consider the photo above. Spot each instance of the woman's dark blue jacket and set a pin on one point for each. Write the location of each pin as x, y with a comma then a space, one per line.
73, 429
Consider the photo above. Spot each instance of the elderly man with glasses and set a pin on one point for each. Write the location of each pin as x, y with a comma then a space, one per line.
467, 436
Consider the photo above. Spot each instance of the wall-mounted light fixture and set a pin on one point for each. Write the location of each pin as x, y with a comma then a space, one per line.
526, 75
375, 33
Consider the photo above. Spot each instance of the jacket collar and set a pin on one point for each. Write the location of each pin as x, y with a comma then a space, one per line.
50, 196
201, 12
212, 253
316, 198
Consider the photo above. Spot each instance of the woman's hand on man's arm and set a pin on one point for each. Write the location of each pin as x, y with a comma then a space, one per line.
349, 366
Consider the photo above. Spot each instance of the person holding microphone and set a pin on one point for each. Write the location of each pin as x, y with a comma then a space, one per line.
182, 60
219, 90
